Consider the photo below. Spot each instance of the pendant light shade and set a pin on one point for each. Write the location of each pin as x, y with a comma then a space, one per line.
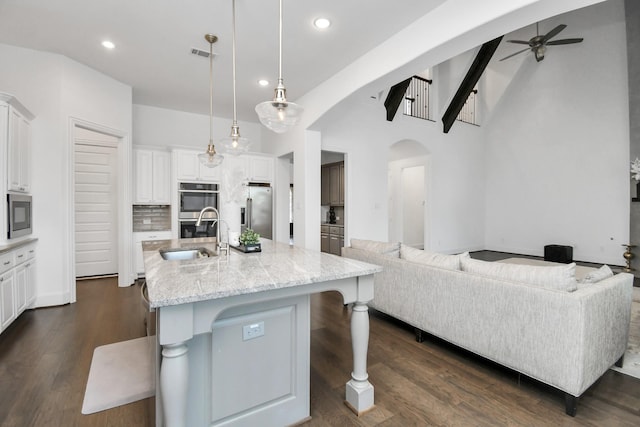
210, 158
279, 115
234, 143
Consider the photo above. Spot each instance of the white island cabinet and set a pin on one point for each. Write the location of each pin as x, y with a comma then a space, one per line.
234, 332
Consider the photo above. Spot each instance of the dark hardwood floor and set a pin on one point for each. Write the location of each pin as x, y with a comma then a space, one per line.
46, 353
45, 357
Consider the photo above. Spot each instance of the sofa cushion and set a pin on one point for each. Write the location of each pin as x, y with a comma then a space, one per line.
450, 262
560, 278
391, 249
595, 276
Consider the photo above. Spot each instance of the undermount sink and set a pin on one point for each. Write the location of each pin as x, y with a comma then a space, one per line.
184, 254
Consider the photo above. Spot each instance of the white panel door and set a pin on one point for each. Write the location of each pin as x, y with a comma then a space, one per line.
96, 210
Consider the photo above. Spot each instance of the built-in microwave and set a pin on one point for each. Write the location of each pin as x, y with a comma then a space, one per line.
20, 220
193, 197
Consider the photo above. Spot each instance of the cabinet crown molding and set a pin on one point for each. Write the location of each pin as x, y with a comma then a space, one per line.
13, 101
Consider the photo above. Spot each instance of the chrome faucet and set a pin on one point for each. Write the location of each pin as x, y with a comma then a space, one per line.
205, 209
219, 244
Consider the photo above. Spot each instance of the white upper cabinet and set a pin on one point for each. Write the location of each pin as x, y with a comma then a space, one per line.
260, 169
188, 168
249, 168
17, 144
152, 170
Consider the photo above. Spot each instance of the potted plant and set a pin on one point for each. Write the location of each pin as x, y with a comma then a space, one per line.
250, 240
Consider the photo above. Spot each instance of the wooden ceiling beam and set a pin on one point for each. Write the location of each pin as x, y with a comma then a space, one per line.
469, 82
395, 97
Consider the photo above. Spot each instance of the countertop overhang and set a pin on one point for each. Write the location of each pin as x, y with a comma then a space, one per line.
278, 266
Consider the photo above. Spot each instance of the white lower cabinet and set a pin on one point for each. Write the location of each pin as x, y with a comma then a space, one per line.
17, 283
31, 282
21, 287
8, 290
141, 236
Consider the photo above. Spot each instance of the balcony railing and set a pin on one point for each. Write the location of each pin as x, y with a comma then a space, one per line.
416, 98
468, 112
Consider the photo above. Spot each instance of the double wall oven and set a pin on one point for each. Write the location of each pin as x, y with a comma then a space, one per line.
193, 197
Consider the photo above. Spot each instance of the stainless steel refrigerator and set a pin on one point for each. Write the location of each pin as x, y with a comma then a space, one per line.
256, 213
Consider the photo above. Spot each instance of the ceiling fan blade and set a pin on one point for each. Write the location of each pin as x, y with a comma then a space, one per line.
553, 33
514, 54
564, 41
518, 41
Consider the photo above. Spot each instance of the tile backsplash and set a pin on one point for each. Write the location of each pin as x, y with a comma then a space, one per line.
151, 218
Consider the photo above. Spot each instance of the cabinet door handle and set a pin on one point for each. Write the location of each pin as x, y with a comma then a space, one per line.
31, 251
28, 264
21, 255
1, 279
7, 262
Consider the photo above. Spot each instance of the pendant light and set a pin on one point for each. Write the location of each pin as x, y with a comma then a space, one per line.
279, 115
210, 158
234, 143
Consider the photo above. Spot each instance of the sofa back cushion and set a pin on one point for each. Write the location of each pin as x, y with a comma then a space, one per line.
559, 278
450, 262
385, 248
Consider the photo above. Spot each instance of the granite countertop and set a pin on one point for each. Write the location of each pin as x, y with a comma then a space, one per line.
15, 245
278, 266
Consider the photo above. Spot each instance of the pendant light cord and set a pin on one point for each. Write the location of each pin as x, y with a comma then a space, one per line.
211, 93
280, 41
233, 53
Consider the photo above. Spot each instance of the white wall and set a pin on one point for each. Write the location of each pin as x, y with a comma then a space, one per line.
456, 189
557, 148
55, 89
161, 127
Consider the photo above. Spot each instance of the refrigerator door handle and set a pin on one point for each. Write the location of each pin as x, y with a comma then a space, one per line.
249, 212
243, 217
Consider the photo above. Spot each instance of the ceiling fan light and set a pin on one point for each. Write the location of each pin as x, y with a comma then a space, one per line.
539, 53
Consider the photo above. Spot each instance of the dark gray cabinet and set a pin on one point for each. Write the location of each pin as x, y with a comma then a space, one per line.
331, 239
332, 184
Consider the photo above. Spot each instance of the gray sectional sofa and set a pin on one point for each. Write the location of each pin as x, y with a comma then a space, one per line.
537, 320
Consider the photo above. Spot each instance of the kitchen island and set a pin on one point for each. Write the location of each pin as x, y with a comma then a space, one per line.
234, 331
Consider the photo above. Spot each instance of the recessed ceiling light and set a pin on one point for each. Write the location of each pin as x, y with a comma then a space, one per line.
322, 23
263, 82
108, 44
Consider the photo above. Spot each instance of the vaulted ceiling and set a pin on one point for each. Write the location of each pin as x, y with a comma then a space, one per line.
154, 38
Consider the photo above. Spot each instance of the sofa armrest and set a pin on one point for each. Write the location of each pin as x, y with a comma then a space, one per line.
606, 314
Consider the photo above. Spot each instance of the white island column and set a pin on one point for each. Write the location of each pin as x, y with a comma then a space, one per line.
174, 383
359, 394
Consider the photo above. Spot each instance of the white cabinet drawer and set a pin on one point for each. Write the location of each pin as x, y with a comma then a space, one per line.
24, 254
7, 262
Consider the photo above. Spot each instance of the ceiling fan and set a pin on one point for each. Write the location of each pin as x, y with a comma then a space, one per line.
538, 44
